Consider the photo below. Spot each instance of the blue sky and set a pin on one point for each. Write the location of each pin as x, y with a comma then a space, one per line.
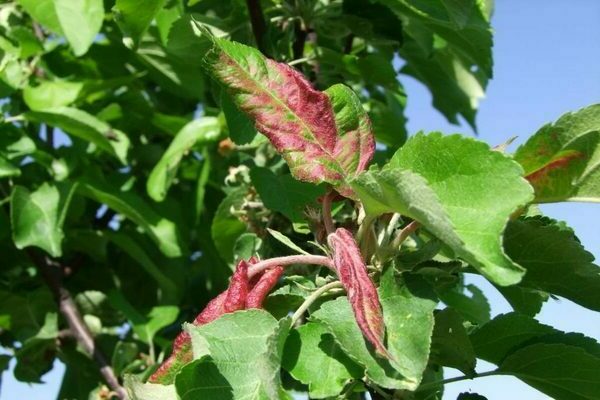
547, 62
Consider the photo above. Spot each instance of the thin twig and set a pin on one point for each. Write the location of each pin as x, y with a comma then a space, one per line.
259, 26
312, 298
456, 379
289, 260
52, 275
327, 219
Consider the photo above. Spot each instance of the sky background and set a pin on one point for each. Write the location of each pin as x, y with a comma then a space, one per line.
547, 62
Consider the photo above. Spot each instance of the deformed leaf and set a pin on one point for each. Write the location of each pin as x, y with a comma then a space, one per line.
362, 294
561, 160
460, 190
408, 306
200, 131
298, 120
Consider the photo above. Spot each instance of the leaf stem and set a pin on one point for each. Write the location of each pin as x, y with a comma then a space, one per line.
327, 219
289, 260
405, 233
457, 379
312, 298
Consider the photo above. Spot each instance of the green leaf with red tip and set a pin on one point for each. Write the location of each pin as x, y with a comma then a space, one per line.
323, 136
562, 160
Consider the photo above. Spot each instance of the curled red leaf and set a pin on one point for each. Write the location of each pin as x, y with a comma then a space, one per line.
241, 294
362, 294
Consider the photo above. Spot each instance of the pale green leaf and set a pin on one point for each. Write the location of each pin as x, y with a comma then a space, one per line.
80, 22
137, 390
201, 379
37, 217
85, 126
460, 190
199, 131
226, 227
245, 347
312, 345
51, 94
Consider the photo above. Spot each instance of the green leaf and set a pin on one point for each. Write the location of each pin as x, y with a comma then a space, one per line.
470, 396
312, 345
124, 355
507, 333
475, 307
44, 12
80, 22
200, 131
137, 390
226, 228
555, 260
284, 194
408, 303
286, 241
247, 245
201, 379
128, 244
560, 371
451, 346
460, 23
144, 326
36, 356
338, 317
408, 314
160, 229
8, 169
455, 89
241, 128
245, 347
561, 160
51, 94
85, 126
134, 17
460, 190
524, 300
37, 217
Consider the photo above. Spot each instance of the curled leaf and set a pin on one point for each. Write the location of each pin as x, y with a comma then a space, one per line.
323, 136
362, 293
241, 294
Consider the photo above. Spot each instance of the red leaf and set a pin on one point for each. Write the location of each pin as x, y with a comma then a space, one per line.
262, 287
362, 293
300, 121
241, 294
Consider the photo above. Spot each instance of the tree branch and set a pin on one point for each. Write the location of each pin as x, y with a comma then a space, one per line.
52, 275
259, 27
